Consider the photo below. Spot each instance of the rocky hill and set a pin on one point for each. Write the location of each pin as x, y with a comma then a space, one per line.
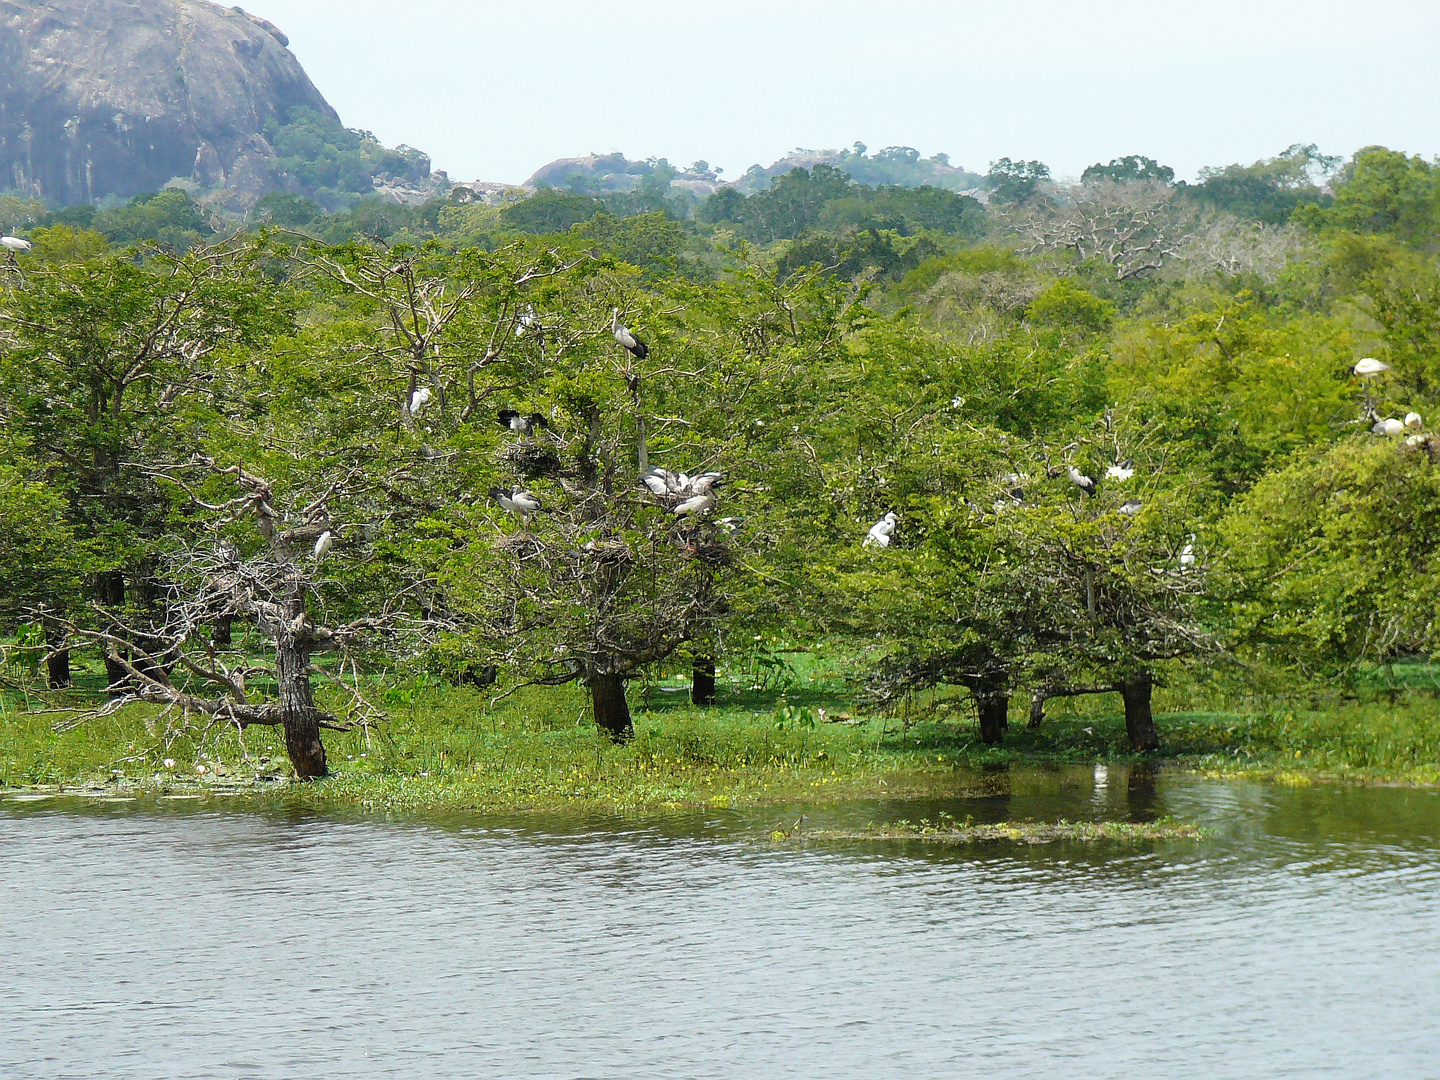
115, 97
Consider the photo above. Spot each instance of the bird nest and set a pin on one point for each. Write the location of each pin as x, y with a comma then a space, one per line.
521, 544
710, 552
531, 460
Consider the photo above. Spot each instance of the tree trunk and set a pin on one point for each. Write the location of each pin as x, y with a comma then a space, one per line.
994, 709
57, 661
702, 681
1037, 708
612, 713
297, 709
1139, 723
220, 633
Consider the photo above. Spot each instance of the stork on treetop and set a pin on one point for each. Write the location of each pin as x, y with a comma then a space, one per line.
523, 425
622, 333
1121, 470
1370, 367
695, 505
1388, 426
15, 244
881, 532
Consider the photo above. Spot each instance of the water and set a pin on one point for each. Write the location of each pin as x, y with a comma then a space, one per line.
184, 939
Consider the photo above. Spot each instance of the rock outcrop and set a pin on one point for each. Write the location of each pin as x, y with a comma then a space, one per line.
118, 97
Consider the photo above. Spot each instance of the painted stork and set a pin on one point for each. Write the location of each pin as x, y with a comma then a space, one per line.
523, 504
694, 506
1081, 481
1412, 419
1131, 507
1121, 470
522, 425
1369, 367
1388, 426
15, 245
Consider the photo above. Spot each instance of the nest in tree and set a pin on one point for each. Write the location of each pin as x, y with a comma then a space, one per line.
521, 544
531, 460
710, 552
610, 552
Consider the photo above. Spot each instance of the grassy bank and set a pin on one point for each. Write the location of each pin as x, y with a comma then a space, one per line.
798, 741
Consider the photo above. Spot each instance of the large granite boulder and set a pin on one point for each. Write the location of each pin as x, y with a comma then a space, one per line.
118, 97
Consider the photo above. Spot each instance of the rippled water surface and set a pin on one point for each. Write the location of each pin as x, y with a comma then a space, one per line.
185, 939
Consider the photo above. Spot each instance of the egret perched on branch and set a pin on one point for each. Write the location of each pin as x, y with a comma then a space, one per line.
524, 425
1370, 366
1121, 470
1388, 426
695, 505
623, 335
881, 532
419, 399
1131, 507
323, 545
1187, 554
1081, 481
523, 504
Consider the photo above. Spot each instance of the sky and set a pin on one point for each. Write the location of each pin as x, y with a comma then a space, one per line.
493, 91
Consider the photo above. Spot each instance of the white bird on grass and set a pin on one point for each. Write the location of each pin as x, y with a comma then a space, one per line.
881, 532
523, 504
323, 545
1369, 366
419, 399
623, 335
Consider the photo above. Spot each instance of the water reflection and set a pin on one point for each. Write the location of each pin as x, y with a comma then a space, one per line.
187, 939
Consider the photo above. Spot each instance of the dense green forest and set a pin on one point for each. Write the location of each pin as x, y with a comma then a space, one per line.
1035, 442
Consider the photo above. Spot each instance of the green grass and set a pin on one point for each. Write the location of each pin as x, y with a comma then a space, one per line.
949, 831
448, 748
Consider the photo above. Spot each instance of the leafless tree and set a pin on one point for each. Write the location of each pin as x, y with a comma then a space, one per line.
1226, 245
1132, 227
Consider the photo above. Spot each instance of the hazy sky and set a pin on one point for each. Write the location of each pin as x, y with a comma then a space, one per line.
493, 91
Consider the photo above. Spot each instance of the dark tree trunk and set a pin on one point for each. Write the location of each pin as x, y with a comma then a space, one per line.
117, 679
994, 709
702, 681
297, 709
57, 661
612, 712
1139, 723
57, 669
479, 676
110, 590
1037, 708
220, 634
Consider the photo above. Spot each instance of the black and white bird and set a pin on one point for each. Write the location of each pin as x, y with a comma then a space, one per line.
881, 532
528, 322
660, 481
523, 504
323, 544
419, 399
623, 335
1081, 481
1121, 470
694, 506
731, 525
523, 425
1131, 507
14, 245
704, 483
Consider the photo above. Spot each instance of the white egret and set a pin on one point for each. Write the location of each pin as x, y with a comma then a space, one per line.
1131, 507
323, 545
1081, 481
1388, 426
1369, 366
1121, 470
881, 532
419, 399
1187, 554
623, 335
523, 425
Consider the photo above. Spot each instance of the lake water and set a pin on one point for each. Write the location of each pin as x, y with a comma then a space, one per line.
188, 939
